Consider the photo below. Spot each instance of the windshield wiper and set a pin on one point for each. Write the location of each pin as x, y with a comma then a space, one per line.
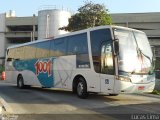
139, 52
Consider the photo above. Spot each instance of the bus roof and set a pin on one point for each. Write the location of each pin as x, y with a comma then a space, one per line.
74, 33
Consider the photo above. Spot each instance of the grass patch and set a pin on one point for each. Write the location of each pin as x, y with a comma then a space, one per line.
156, 92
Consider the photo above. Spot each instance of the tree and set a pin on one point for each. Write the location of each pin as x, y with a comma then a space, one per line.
89, 15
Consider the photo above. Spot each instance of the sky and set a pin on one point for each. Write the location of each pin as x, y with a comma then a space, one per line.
30, 7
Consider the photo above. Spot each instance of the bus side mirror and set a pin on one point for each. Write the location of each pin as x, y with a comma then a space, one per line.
116, 47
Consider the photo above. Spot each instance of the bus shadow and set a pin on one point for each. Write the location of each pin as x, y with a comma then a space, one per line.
37, 95
67, 93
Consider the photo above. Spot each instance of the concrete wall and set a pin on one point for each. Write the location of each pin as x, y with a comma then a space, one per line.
2, 37
18, 21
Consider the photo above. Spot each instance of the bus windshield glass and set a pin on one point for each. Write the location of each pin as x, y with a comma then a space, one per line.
135, 54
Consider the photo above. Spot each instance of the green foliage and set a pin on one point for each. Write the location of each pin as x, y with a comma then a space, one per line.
89, 15
2, 68
156, 92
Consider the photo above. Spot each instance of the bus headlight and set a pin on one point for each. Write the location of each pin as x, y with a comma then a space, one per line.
123, 78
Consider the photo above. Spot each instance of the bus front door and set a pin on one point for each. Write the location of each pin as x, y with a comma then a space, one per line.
107, 69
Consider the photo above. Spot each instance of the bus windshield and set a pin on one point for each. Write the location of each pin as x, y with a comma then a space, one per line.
135, 54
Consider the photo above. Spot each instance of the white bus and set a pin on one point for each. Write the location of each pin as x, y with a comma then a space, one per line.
104, 59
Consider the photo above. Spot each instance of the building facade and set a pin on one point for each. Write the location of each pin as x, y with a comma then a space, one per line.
17, 30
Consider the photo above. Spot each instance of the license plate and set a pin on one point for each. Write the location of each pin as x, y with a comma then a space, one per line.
141, 88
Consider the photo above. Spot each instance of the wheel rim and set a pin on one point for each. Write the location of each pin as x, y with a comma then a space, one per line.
80, 88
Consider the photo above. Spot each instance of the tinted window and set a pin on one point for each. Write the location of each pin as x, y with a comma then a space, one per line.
11, 54
77, 44
60, 46
98, 37
42, 49
52, 49
19, 54
16, 53
30, 51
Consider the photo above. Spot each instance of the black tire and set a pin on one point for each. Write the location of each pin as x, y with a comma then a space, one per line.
82, 88
113, 94
74, 88
20, 82
74, 91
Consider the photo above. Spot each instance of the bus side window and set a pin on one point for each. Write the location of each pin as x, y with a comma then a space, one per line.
75, 49
10, 54
60, 47
77, 44
43, 49
30, 51
19, 54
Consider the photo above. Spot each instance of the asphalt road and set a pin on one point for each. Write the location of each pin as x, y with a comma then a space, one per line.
48, 104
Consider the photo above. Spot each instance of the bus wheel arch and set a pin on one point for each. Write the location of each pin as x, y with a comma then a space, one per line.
79, 86
20, 81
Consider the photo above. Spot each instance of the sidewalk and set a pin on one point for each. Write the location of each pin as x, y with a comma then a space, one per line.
4, 107
2, 110
6, 112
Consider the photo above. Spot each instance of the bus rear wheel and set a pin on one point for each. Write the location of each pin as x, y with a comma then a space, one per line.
113, 94
20, 82
82, 88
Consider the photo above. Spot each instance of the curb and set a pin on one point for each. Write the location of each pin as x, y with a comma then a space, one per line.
4, 106
148, 95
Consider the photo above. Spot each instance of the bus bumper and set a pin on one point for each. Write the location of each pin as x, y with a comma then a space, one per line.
129, 87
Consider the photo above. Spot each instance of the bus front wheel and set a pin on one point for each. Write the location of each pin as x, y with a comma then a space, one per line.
82, 88
20, 82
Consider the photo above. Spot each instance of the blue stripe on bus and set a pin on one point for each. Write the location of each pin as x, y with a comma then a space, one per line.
42, 68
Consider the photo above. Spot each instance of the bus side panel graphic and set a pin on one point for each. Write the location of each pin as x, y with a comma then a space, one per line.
42, 68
